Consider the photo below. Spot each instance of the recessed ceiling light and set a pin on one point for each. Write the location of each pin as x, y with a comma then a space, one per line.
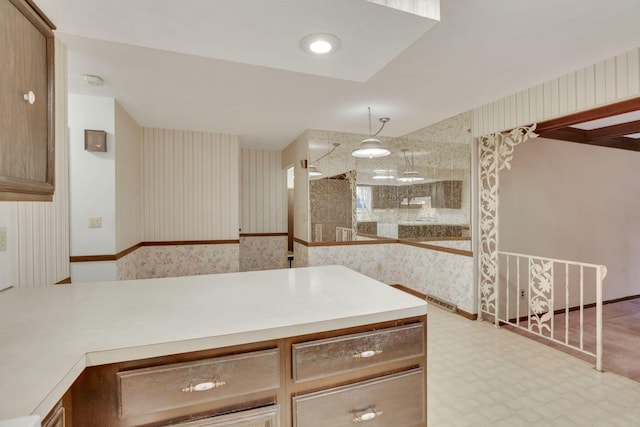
320, 43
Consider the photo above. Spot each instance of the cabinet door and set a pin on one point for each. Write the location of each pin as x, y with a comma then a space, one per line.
26, 125
437, 195
446, 194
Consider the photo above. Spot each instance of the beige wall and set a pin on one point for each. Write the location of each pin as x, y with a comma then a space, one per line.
190, 185
128, 180
577, 202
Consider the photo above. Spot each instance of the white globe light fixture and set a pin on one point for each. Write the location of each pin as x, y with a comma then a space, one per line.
410, 174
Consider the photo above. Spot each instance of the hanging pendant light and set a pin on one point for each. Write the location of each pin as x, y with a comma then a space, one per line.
372, 147
410, 174
382, 174
314, 171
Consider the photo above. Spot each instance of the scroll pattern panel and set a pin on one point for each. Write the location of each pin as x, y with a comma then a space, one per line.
495, 154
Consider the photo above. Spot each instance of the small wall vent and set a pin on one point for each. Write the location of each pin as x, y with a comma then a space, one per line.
445, 305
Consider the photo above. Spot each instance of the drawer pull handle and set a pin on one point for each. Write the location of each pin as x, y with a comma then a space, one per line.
366, 353
370, 414
30, 97
203, 386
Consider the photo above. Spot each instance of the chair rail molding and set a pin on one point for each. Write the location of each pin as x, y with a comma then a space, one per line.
495, 152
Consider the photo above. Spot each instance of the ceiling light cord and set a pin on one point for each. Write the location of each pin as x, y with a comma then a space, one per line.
335, 145
406, 161
383, 120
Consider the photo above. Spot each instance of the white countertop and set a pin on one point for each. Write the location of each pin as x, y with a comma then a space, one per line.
48, 335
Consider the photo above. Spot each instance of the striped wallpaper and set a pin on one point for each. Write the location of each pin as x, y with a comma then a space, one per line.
190, 185
263, 192
606, 82
39, 231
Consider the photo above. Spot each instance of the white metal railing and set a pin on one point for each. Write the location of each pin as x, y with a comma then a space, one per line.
535, 294
344, 234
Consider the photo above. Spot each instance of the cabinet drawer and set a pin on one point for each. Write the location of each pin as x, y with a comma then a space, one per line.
397, 400
323, 358
160, 388
268, 416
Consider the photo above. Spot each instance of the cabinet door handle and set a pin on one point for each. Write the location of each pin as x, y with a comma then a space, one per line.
370, 414
30, 97
366, 353
204, 386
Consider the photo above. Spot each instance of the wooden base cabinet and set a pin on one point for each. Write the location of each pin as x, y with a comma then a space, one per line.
374, 374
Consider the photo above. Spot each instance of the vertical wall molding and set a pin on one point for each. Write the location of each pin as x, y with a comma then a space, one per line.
190, 185
263, 189
606, 82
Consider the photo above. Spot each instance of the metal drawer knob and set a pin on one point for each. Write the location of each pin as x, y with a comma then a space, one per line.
370, 414
366, 353
208, 385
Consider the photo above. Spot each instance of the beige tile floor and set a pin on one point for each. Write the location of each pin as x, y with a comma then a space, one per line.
482, 376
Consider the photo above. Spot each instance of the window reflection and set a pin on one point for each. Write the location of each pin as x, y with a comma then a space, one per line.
381, 197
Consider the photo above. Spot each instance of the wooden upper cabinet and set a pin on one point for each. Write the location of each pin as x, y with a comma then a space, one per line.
27, 117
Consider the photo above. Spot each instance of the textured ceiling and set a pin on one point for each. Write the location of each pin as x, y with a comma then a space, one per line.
234, 66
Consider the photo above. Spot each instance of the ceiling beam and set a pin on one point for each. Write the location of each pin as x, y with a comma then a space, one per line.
621, 143
610, 136
614, 131
593, 114
566, 134
579, 136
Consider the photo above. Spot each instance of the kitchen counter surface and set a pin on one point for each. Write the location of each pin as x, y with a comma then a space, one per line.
48, 335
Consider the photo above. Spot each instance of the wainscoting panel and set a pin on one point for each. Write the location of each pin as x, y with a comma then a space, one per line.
263, 252
263, 188
441, 274
183, 260
609, 81
190, 185
127, 266
301, 254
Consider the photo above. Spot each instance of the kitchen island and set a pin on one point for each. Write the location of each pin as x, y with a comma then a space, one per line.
49, 336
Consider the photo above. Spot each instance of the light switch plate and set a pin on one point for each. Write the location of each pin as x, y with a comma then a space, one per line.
95, 222
3, 239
